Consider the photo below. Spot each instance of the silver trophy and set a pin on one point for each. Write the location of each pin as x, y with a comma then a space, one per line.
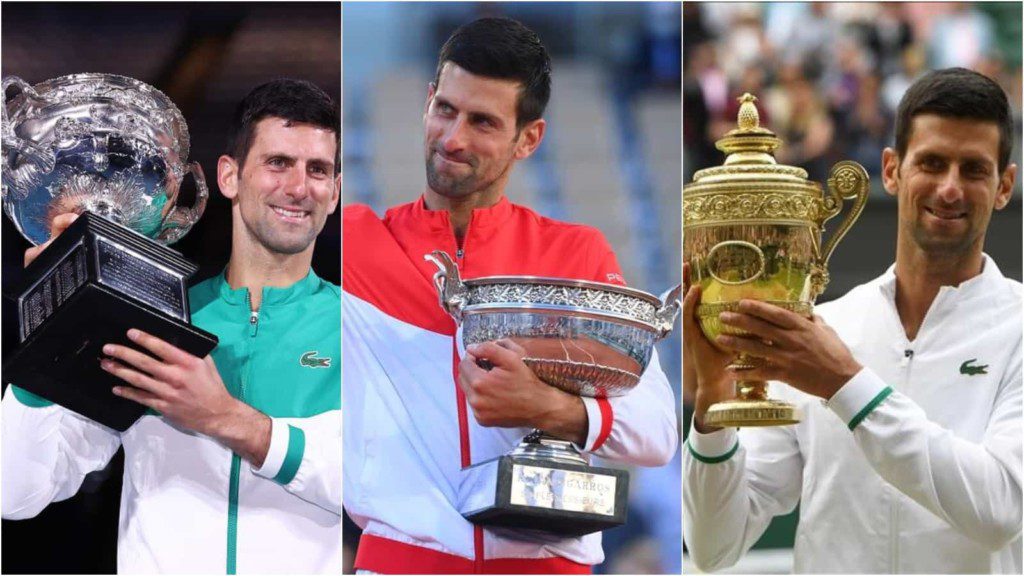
114, 150
586, 338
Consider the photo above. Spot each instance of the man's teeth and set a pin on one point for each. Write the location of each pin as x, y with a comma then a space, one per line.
291, 213
946, 215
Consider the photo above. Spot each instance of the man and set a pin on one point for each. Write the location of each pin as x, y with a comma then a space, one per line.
236, 466
909, 455
417, 414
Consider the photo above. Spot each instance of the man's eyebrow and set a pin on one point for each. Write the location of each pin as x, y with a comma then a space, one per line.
293, 159
442, 100
282, 155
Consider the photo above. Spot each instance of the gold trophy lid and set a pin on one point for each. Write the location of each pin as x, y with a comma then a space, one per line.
750, 159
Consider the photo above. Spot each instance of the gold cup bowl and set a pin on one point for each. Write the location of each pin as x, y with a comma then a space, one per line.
752, 229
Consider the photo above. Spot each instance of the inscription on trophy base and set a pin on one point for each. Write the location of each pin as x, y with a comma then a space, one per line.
566, 499
85, 290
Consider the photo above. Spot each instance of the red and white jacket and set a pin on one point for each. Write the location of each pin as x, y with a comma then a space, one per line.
408, 431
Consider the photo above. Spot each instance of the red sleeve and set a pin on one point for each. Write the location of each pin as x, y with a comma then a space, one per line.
605, 265
376, 269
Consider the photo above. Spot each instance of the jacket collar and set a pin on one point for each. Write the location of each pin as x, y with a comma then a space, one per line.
977, 285
272, 296
482, 219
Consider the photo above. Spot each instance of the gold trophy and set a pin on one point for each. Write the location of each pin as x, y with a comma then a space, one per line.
752, 229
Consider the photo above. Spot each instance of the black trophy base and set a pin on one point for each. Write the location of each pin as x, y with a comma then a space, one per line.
566, 499
96, 281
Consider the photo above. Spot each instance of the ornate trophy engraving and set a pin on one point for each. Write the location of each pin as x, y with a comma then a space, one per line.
587, 338
752, 228
114, 150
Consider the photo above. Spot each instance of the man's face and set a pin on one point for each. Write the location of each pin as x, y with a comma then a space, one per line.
471, 139
287, 186
948, 183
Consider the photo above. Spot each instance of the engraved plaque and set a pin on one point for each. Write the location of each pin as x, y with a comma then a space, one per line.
52, 290
132, 273
561, 489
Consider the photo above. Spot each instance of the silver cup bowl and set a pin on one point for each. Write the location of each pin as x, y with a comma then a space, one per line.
102, 143
587, 338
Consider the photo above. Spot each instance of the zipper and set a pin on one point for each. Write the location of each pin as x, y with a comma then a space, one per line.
460, 249
236, 460
894, 507
462, 408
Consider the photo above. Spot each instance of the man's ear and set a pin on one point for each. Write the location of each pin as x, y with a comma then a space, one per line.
336, 195
1005, 191
890, 171
227, 176
530, 137
431, 90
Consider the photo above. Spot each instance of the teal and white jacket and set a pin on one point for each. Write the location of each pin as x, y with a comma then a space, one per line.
189, 504
913, 466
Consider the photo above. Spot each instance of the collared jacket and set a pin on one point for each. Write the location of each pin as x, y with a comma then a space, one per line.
188, 504
409, 433
914, 465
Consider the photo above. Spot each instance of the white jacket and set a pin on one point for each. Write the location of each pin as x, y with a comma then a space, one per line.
913, 466
188, 505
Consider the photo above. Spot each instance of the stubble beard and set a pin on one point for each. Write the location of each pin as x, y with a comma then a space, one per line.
459, 187
448, 185
275, 241
943, 245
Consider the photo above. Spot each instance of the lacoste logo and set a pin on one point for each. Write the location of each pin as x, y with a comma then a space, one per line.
972, 370
309, 360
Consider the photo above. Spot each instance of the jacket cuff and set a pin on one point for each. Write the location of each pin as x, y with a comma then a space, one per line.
859, 397
287, 446
599, 422
29, 399
713, 447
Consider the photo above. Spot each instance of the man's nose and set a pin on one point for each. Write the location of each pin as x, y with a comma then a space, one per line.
455, 136
297, 183
951, 188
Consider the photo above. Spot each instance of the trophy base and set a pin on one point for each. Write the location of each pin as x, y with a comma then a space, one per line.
750, 413
85, 290
558, 497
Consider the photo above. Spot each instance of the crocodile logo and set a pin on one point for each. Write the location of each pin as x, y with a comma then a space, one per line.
965, 368
309, 360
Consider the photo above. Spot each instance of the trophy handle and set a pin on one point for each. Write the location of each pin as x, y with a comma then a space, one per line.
666, 315
40, 158
848, 180
179, 218
451, 292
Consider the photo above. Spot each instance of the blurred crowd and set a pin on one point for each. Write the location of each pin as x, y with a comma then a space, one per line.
829, 76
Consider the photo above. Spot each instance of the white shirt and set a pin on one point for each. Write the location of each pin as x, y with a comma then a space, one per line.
913, 466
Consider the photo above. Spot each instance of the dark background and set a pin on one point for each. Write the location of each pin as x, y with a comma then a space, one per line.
205, 57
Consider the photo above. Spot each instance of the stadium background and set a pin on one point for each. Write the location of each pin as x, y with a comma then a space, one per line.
610, 159
844, 67
205, 57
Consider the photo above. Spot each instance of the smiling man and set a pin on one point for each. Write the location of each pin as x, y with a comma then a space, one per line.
418, 414
236, 467
909, 456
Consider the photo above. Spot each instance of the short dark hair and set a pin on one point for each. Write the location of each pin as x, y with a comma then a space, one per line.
956, 93
503, 48
289, 99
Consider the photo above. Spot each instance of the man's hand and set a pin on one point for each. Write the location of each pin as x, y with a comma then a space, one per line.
806, 354
188, 391
705, 376
59, 224
510, 395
